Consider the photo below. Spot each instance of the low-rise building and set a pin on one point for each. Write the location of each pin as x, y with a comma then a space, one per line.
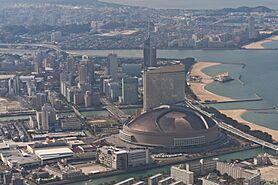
129, 181
122, 159
184, 175
70, 123
16, 158
50, 152
153, 180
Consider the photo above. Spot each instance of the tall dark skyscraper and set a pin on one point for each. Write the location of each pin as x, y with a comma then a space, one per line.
149, 53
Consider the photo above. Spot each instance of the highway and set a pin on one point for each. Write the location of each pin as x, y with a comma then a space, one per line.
233, 130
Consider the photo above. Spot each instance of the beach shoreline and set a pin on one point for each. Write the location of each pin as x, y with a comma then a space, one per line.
198, 88
259, 44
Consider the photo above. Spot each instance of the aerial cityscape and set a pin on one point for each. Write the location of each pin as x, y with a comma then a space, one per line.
96, 92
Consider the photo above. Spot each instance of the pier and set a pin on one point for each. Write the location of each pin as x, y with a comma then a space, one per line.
257, 98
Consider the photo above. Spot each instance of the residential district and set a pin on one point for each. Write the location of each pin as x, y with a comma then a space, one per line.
69, 118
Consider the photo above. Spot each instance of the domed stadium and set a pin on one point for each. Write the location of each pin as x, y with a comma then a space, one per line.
172, 127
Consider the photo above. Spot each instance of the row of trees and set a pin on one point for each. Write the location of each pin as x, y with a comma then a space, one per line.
245, 128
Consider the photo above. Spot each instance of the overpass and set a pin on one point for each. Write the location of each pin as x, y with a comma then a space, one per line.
234, 130
115, 111
246, 136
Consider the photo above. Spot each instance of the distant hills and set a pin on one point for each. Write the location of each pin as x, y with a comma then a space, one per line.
247, 9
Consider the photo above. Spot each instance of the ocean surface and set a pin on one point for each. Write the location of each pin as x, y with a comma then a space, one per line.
257, 70
196, 4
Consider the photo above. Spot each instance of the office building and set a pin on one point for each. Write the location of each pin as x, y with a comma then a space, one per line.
132, 69
46, 118
41, 99
113, 157
113, 90
88, 98
113, 66
149, 54
163, 85
252, 32
122, 159
129, 90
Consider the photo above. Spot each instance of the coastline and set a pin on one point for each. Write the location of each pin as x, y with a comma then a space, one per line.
237, 115
259, 44
198, 88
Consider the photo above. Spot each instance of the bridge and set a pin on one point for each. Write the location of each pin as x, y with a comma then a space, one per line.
115, 111
234, 130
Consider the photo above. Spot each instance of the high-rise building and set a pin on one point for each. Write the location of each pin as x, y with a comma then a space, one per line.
252, 32
114, 90
163, 85
82, 74
41, 99
88, 99
149, 54
56, 36
129, 90
113, 66
46, 118
14, 85
132, 69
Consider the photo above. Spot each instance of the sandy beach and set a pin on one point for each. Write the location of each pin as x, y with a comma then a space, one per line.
199, 87
236, 114
259, 44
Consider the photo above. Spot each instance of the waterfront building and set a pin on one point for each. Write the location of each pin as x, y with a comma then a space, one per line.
184, 175
113, 157
153, 180
122, 159
163, 85
113, 66
166, 181
63, 173
252, 32
237, 172
129, 181
129, 90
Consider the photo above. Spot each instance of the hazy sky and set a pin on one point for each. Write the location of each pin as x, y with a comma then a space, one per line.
198, 4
